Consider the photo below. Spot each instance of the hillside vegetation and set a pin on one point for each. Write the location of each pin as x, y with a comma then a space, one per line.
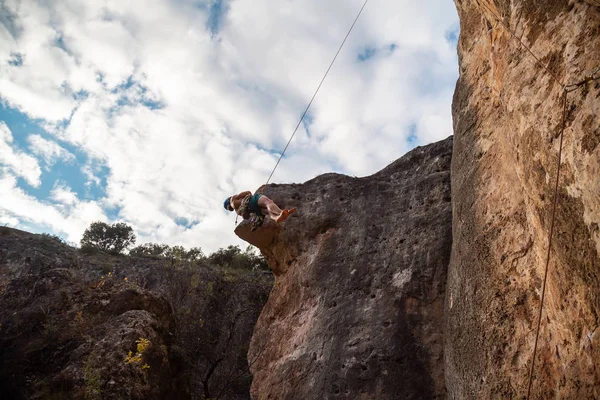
92, 324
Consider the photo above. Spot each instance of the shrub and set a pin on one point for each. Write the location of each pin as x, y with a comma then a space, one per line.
93, 382
233, 257
149, 250
194, 254
52, 237
114, 238
166, 251
176, 252
142, 345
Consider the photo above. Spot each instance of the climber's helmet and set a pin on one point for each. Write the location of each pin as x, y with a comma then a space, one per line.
227, 204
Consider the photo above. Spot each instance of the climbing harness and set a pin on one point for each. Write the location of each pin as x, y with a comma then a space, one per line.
256, 221
566, 89
244, 210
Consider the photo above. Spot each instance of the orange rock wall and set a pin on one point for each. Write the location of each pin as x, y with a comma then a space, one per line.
507, 119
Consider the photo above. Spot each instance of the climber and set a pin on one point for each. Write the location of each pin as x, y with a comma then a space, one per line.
246, 203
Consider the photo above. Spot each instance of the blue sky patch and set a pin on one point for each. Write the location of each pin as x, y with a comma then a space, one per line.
366, 54
413, 139
60, 43
217, 11
19, 124
80, 95
125, 85
452, 35
112, 213
307, 122
65, 172
16, 59
273, 152
186, 223
144, 99
8, 19
370, 52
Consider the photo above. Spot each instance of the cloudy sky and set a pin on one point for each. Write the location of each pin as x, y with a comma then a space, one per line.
151, 112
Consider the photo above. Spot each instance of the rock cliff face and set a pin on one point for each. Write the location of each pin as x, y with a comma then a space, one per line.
361, 268
356, 310
507, 118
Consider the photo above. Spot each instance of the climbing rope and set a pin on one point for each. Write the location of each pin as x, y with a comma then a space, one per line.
514, 35
550, 234
314, 95
566, 89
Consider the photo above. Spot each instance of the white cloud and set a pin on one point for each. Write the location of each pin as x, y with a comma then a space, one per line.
8, 220
63, 194
16, 161
180, 118
36, 87
49, 151
91, 174
69, 222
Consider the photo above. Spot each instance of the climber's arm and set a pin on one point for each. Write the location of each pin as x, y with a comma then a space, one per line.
241, 195
236, 201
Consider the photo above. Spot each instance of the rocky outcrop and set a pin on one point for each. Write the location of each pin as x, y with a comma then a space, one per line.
68, 320
61, 337
356, 309
507, 118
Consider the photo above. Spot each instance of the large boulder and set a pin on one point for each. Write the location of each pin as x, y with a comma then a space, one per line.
356, 311
507, 118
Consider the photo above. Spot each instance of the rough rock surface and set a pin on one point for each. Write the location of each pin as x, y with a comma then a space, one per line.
66, 325
62, 337
507, 117
356, 309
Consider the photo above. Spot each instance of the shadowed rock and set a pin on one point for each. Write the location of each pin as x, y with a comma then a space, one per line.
69, 318
356, 310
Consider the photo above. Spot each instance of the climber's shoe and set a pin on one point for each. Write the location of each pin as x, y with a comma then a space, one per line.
285, 214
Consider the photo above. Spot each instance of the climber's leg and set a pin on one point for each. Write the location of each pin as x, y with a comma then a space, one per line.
285, 214
269, 208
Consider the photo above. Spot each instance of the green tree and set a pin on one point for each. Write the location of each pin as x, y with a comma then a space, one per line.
256, 261
225, 257
166, 251
233, 257
149, 250
194, 254
176, 252
102, 236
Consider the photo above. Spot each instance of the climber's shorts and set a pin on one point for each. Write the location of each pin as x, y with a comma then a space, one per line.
253, 205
